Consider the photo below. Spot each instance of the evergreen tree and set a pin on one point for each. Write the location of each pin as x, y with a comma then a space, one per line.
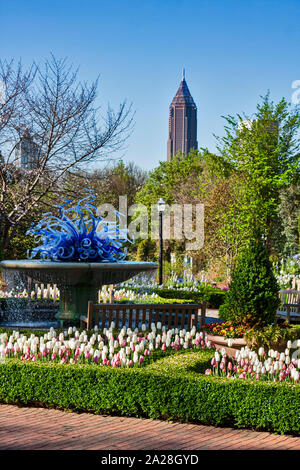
252, 298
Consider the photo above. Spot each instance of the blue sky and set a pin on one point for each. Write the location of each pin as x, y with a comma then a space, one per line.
233, 52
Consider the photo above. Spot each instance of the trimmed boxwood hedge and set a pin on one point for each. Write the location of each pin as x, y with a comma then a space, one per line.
153, 393
212, 295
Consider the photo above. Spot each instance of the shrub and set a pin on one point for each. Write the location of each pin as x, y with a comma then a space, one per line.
212, 295
253, 295
182, 395
271, 335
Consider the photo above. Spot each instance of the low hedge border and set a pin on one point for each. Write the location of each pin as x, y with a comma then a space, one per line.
154, 392
212, 295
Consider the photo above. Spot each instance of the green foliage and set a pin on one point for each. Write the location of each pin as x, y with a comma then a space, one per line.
265, 151
170, 388
147, 250
271, 336
290, 212
212, 295
165, 180
253, 294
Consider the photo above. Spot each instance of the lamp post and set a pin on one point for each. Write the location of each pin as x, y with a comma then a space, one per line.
161, 205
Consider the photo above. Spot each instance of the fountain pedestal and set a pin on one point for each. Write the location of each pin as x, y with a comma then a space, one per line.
78, 282
73, 302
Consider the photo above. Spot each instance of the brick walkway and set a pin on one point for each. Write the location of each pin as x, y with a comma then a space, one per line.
45, 429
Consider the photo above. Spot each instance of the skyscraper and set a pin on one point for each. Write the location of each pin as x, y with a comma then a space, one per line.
26, 152
182, 122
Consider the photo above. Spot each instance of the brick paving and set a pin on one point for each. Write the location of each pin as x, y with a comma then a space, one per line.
49, 429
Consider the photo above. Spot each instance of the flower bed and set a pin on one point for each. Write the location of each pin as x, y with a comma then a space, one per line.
125, 348
226, 330
248, 364
158, 374
171, 388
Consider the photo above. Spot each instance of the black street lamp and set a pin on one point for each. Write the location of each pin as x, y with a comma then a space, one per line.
161, 205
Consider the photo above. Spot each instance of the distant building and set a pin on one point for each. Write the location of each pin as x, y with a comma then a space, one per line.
270, 126
182, 122
26, 153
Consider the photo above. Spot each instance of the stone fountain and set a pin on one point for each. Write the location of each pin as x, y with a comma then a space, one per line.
81, 252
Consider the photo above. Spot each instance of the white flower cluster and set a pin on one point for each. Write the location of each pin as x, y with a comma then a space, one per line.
124, 348
248, 364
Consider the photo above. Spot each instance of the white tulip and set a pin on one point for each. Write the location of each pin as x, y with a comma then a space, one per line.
135, 357
296, 375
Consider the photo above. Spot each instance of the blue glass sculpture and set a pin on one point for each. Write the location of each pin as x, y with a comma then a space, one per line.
79, 234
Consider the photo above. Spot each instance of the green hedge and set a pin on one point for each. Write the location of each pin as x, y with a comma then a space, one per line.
212, 295
153, 393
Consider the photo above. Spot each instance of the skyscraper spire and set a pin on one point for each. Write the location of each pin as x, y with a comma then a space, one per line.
182, 121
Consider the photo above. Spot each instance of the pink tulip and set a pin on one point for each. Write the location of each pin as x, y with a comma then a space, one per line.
141, 359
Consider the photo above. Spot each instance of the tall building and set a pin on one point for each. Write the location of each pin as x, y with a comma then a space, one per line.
26, 152
182, 122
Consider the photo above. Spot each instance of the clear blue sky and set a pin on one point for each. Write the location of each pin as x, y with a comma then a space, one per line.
233, 52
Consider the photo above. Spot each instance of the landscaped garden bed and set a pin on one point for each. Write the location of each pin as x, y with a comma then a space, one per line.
163, 374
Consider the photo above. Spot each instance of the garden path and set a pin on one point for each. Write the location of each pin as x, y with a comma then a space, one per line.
50, 429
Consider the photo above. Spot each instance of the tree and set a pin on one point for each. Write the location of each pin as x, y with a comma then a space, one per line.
290, 211
108, 183
226, 224
147, 250
188, 180
252, 298
266, 151
54, 115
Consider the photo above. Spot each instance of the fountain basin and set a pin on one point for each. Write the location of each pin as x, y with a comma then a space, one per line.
78, 282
